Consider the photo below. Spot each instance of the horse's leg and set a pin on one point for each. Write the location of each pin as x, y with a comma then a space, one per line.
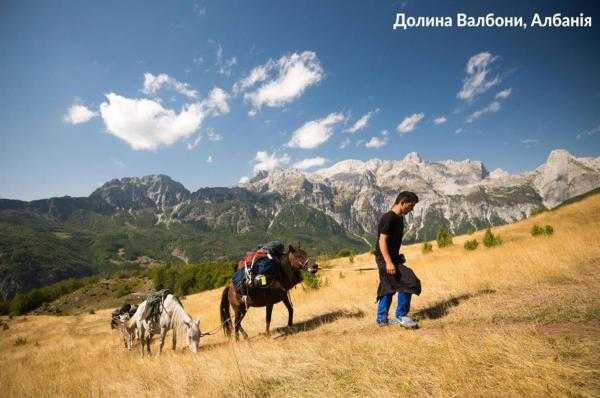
142, 338
240, 313
269, 313
174, 331
288, 305
148, 341
163, 334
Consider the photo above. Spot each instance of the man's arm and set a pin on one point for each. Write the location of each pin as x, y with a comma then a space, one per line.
383, 246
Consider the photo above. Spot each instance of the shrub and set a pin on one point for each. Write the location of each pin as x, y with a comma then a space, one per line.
427, 247
20, 341
471, 244
490, 240
548, 230
311, 281
344, 253
121, 290
537, 230
351, 258
444, 238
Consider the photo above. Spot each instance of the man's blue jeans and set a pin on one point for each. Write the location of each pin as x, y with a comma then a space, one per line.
384, 303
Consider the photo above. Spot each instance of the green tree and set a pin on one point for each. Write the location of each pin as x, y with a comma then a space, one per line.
444, 238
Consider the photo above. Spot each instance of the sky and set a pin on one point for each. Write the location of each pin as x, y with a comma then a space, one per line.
212, 92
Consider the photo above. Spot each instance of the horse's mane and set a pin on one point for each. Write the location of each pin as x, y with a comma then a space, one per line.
179, 317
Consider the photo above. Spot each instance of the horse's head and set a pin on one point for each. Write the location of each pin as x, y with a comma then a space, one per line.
193, 335
299, 260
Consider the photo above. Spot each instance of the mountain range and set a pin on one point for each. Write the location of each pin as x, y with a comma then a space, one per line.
337, 207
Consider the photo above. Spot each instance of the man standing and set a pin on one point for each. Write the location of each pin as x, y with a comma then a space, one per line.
394, 276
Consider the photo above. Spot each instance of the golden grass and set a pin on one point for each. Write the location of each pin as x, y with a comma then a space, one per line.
521, 319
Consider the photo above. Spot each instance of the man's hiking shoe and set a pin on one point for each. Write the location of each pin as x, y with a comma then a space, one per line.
382, 323
405, 321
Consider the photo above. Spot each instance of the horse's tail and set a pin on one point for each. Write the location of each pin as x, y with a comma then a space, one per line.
225, 315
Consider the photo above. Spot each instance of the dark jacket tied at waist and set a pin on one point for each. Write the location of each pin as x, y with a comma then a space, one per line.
404, 280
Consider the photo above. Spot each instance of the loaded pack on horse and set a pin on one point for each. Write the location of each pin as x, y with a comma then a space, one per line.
263, 278
158, 314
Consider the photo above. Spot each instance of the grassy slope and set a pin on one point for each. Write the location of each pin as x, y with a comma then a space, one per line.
519, 319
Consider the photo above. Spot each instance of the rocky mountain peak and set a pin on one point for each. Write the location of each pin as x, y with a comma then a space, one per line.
559, 155
135, 193
413, 157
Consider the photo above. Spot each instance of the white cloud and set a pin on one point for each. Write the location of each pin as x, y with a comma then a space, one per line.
316, 132
295, 73
440, 120
212, 135
308, 163
458, 131
256, 75
361, 123
589, 132
504, 94
217, 100
209, 159
493, 107
384, 132
476, 81
227, 66
146, 125
154, 83
196, 142
376, 142
345, 143
265, 162
529, 142
78, 114
409, 123
244, 180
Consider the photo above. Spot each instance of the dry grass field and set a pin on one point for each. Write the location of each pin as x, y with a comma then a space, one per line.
521, 319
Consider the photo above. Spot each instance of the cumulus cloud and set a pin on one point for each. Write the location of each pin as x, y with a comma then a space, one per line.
376, 142
504, 94
308, 163
493, 107
265, 162
361, 123
409, 123
78, 114
316, 132
243, 180
477, 80
146, 125
154, 83
440, 120
294, 74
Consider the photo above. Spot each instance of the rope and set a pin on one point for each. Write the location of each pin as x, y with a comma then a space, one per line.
349, 269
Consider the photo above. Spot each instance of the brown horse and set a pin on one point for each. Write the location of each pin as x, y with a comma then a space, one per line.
293, 261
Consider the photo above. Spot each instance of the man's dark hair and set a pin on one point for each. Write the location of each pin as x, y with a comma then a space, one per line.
407, 196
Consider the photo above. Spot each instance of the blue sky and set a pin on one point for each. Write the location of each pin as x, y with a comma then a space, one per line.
209, 92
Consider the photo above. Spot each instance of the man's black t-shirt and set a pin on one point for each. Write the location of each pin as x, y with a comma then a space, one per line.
392, 225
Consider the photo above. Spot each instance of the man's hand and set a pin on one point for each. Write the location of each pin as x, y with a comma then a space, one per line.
389, 267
